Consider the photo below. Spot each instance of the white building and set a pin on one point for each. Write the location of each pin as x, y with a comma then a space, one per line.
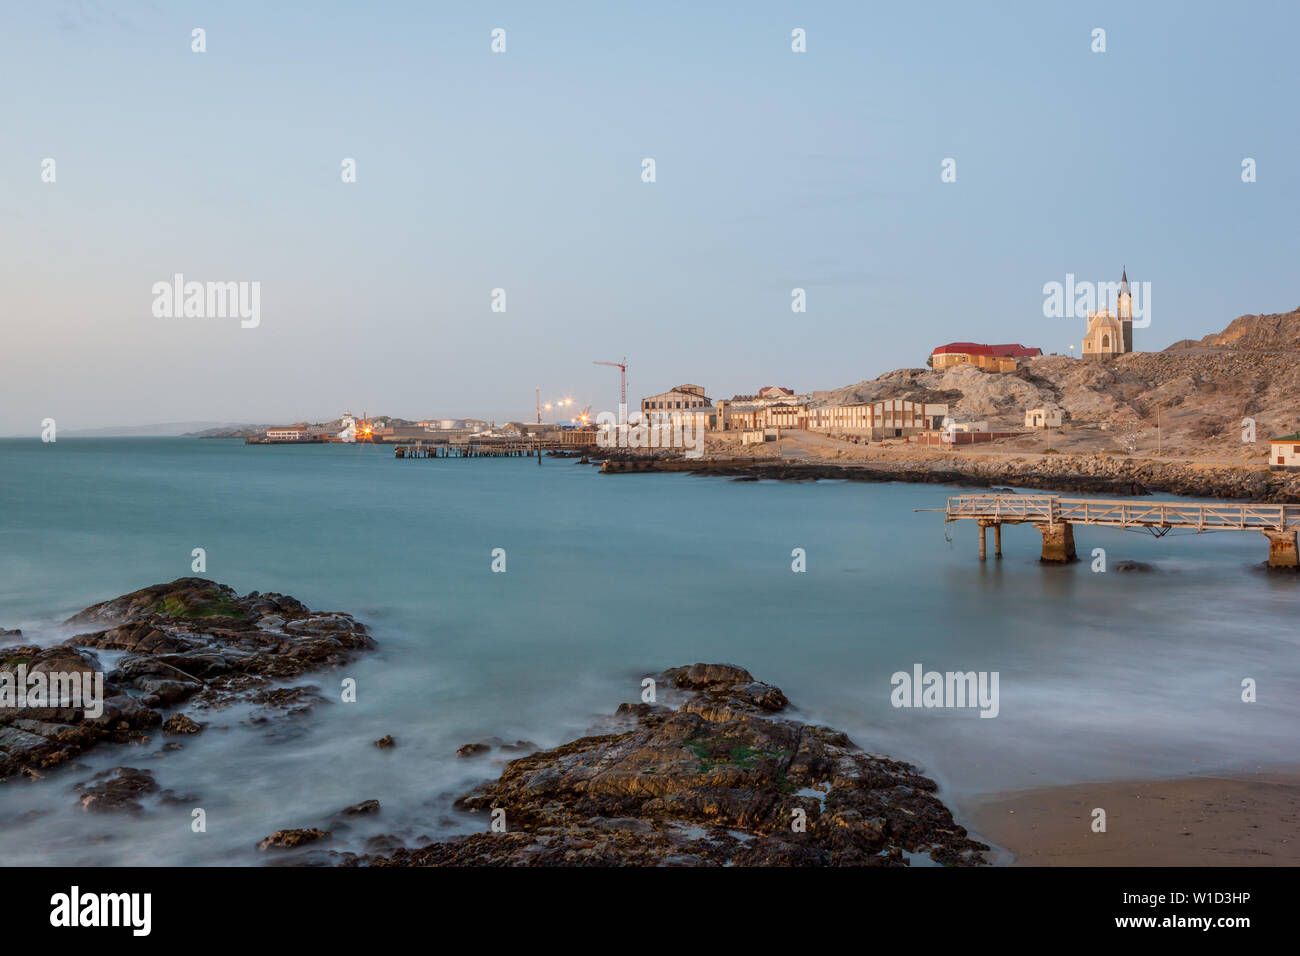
681, 398
891, 418
1043, 418
1284, 453
293, 433
349, 430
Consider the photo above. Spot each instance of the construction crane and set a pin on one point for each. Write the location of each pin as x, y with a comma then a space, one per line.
622, 387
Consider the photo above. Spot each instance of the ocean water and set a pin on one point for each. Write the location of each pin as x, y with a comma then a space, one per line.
1101, 676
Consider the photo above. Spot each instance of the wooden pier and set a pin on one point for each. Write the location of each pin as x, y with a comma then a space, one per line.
484, 448
1055, 519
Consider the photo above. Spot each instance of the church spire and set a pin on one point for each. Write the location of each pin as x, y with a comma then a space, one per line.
1126, 312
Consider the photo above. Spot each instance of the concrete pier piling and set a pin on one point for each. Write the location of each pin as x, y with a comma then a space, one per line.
1058, 542
997, 538
1282, 551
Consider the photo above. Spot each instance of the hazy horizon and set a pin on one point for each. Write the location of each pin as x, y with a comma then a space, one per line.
522, 171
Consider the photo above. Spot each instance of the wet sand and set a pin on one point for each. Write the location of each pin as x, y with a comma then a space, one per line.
1196, 821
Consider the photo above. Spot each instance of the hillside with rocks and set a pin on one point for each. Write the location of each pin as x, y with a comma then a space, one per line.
1199, 391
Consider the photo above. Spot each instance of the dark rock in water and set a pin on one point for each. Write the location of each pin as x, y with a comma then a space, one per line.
1133, 566
725, 776
519, 747
283, 702
364, 807
288, 839
483, 746
383, 843
386, 742
14, 633
119, 789
317, 857
191, 640
181, 724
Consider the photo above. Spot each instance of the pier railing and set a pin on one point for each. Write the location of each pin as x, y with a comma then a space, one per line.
1200, 516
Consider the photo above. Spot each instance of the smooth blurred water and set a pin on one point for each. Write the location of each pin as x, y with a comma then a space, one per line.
1115, 675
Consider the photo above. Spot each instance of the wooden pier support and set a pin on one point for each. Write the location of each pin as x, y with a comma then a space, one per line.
1058, 542
1282, 551
983, 528
997, 540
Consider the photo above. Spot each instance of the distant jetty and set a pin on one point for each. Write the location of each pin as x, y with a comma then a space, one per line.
1089, 474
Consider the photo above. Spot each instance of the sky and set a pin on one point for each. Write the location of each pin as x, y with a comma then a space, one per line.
523, 171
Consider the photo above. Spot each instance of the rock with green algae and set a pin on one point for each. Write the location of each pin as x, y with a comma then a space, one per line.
190, 640
720, 772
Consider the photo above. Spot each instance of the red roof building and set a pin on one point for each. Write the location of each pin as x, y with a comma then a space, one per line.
973, 348
991, 358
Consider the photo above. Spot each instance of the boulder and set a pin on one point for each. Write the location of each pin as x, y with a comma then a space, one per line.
181, 724
727, 777
288, 839
117, 790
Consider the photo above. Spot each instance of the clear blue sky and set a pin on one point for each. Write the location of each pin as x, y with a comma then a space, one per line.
522, 171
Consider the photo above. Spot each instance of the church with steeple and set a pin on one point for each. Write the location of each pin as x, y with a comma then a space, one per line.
1109, 334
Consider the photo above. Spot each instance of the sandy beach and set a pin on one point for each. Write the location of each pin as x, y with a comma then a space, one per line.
1196, 821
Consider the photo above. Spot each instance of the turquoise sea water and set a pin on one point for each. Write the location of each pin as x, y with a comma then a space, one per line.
1102, 676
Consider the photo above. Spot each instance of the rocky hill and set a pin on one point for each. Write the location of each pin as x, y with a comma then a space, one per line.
1198, 390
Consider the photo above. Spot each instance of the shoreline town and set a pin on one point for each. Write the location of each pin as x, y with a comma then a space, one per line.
972, 400
1213, 419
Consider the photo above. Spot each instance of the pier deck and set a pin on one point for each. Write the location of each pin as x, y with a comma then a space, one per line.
1055, 517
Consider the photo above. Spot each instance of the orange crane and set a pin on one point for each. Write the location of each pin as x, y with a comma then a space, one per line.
622, 387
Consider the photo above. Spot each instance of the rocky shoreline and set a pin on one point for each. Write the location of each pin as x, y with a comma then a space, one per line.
719, 772
1093, 475
193, 642
711, 767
